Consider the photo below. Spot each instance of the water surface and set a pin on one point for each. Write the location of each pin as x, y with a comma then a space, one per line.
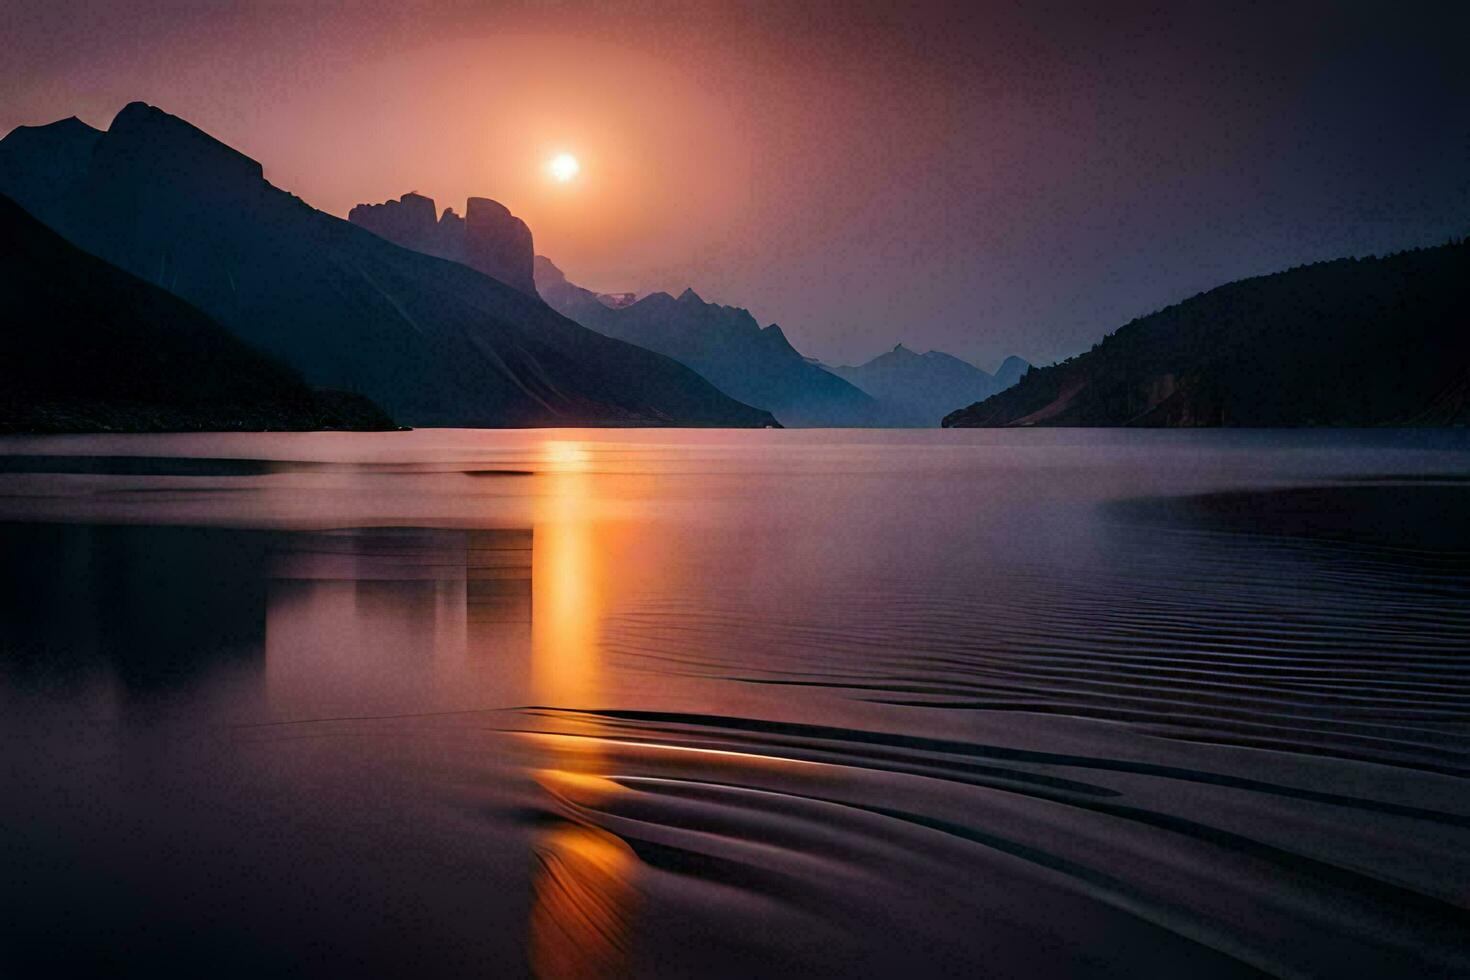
671, 703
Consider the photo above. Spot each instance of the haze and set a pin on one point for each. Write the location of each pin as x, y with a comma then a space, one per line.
974, 178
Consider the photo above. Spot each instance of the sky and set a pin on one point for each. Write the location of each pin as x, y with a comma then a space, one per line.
984, 178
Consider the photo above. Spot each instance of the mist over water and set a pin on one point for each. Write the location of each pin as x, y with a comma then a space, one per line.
599, 703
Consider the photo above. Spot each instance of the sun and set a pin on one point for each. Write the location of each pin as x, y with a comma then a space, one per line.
563, 167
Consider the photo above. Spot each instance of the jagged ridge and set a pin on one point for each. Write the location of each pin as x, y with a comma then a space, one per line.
725, 344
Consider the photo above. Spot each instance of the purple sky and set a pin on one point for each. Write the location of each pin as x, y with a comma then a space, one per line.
980, 178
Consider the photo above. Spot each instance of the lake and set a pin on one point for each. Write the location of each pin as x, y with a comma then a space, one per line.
673, 702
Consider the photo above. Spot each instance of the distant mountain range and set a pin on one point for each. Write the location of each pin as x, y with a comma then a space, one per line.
1352, 342
434, 342
87, 347
725, 344
759, 366
181, 252
919, 389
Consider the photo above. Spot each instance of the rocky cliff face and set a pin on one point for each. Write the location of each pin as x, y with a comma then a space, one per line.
488, 238
409, 221
498, 244
147, 156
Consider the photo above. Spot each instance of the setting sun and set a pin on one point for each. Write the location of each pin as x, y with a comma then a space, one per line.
563, 167
942, 493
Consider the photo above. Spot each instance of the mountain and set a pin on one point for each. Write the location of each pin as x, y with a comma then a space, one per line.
918, 389
617, 300
488, 238
1376, 341
87, 347
46, 167
433, 341
1011, 370
755, 364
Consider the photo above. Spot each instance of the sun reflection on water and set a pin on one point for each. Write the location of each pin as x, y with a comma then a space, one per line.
583, 897
565, 586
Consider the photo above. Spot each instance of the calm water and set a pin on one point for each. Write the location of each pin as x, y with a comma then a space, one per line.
705, 703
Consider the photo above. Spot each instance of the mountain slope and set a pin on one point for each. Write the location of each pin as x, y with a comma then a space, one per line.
724, 344
1378, 341
1011, 370
44, 168
918, 389
87, 347
433, 341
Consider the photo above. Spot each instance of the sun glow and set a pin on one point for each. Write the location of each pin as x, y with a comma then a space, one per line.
563, 167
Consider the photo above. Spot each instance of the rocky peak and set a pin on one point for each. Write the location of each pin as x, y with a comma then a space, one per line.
547, 271
42, 167
488, 238
148, 141
69, 129
408, 221
416, 204
448, 240
488, 211
1011, 370
659, 300
499, 244
775, 337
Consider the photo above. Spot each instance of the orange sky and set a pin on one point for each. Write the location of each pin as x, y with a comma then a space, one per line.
980, 178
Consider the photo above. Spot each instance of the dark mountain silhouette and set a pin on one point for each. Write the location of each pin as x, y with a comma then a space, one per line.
723, 343
488, 238
1377, 341
45, 168
432, 341
918, 389
87, 347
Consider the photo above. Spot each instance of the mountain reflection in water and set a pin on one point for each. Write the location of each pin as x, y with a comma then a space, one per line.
675, 703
